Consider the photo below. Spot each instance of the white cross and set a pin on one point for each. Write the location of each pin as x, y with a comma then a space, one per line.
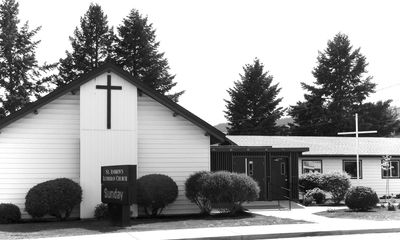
357, 143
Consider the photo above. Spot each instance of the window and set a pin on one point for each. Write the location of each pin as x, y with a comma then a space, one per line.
283, 168
250, 170
350, 166
312, 166
393, 171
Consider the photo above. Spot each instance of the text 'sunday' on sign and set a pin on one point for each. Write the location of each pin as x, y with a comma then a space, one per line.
118, 184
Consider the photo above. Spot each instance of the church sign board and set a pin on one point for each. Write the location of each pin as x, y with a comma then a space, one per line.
118, 184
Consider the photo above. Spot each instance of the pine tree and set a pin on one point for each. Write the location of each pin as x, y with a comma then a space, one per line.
253, 108
92, 44
137, 52
379, 116
20, 73
338, 92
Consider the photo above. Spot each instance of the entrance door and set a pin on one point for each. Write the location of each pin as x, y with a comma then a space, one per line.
253, 166
256, 170
279, 177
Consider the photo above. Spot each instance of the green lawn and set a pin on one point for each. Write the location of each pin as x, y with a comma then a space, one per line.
378, 214
84, 227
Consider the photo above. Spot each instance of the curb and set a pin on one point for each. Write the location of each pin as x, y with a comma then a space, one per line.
298, 234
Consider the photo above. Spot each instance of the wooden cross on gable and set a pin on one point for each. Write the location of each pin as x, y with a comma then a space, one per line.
357, 143
108, 87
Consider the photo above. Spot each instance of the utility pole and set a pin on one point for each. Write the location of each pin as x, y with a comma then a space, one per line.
357, 143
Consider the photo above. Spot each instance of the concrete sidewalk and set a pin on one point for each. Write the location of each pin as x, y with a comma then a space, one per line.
322, 226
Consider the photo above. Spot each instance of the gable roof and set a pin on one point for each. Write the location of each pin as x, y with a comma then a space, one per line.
325, 146
215, 135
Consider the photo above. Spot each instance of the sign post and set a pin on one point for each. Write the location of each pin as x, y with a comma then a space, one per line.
118, 190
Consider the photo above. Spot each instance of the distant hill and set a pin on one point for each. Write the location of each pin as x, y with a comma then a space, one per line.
280, 122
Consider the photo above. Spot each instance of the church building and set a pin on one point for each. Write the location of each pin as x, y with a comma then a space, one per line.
106, 117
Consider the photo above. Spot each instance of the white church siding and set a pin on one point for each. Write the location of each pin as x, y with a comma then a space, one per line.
371, 172
172, 146
101, 146
39, 147
70, 137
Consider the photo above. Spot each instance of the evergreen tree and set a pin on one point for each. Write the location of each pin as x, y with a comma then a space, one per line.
337, 94
379, 116
20, 73
253, 108
92, 44
137, 52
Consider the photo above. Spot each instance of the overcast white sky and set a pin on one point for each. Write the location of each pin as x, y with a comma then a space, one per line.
207, 42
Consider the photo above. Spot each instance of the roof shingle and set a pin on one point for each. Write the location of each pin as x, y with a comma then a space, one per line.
325, 145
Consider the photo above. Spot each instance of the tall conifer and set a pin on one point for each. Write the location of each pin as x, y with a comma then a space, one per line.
340, 89
137, 52
92, 44
20, 73
253, 108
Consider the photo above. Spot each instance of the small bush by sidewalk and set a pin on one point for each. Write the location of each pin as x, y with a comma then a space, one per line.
316, 194
9, 213
361, 198
222, 190
334, 183
55, 197
155, 192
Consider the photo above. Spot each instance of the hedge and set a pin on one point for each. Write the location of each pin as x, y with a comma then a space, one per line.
361, 198
55, 197
9, 213
224, 191
155, 192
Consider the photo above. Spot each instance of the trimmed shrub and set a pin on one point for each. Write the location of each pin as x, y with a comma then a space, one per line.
317, 194
386, 197
9, 213
155, 192
55, 197
308, 201
101, 211
194, 191
391, 207
361, 198
228, 191
310, 180
337, 183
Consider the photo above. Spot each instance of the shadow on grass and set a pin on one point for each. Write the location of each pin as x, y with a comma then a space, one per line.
137, 224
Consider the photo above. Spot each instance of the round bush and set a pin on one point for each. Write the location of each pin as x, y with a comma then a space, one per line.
228, 191
317, 194
310, 180
9, 213
101, 211
194, 191
155, 192
308, 201
361, 198
55, 197
337, 183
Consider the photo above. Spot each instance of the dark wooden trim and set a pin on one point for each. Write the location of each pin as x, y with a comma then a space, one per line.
108, 87
230, 148
216, 136
305, 149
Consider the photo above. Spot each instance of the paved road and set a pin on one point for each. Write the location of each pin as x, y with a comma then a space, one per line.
370, 236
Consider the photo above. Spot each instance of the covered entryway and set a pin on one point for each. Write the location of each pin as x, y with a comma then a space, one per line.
275, 170
253, 166
279, 182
